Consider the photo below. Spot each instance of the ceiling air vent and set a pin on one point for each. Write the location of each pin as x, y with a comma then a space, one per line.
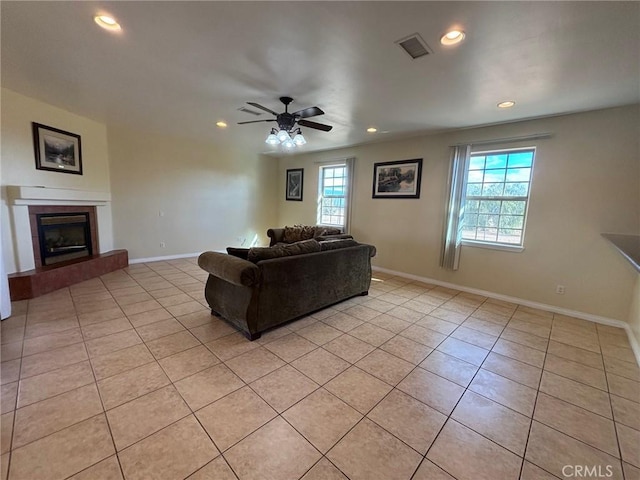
248, 110
415, 46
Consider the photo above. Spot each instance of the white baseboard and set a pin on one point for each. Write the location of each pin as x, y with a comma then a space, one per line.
527, 303
166, 257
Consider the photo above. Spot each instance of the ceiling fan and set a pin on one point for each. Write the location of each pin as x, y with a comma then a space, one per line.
287, 123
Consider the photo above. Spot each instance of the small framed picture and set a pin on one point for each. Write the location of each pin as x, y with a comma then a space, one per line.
399, 179
57, 150
295, 177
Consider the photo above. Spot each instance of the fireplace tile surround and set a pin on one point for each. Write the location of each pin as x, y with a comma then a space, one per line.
24, 204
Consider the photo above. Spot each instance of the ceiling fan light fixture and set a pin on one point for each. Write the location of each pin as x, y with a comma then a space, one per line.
299, 139
271, 138
452, 37
288, 143
221, 124
283, 135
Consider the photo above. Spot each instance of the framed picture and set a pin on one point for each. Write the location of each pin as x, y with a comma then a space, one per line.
57, 150
399, 179
294, 184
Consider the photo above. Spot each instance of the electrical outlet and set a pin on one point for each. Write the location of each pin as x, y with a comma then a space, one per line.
560, 289
163, 245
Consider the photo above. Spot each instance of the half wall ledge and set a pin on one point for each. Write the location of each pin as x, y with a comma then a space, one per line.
628, 246
42, 280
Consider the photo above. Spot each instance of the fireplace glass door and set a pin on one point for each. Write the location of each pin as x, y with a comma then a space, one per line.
64, 237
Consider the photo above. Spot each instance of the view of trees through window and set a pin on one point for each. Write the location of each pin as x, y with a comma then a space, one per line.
332, 194
496, 196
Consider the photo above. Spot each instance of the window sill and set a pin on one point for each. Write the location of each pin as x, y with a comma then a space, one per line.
494, 246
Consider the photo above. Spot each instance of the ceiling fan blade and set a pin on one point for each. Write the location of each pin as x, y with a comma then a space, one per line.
308, 112
257, 105
317, 126
257, 121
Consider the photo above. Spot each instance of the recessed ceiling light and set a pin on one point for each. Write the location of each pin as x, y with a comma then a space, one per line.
452, 37
372, 129
507, 104
107, 22
221, 124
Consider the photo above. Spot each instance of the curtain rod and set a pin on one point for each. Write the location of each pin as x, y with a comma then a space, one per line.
522, 138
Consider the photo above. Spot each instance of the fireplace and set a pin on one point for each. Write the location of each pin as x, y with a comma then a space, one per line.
62, 233
65, 249
64, 236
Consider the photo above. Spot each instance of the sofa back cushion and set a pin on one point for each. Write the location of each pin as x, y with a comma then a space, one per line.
242, 253
257, 254
298, 233
338, 243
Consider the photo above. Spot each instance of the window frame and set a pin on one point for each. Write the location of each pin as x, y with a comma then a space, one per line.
497, 245
344, 196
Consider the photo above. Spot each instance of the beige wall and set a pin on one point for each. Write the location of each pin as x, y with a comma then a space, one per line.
17, 167
211, 198
586, 181
634, 311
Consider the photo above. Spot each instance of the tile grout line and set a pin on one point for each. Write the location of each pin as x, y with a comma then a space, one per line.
449, 417
351, 364
104, 414
533, 412
613, 415
15, 407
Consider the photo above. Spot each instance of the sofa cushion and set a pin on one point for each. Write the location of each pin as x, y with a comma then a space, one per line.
257, 254
242, 253
334, 237
338, 243
298, 233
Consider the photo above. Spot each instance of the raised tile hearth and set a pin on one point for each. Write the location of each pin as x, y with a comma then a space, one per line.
41, 280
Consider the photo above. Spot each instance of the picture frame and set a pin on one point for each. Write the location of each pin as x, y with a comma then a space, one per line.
398, 179
57, 150
295, 181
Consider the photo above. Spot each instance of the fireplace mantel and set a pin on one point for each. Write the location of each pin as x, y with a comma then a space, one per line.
24, 195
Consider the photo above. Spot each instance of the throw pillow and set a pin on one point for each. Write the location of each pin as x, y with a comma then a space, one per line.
321, 231
238, 252
298, 233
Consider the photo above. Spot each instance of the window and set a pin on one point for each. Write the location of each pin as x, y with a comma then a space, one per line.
496, 195
332, 201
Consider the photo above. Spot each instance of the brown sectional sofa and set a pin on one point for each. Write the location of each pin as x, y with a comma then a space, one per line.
280, 286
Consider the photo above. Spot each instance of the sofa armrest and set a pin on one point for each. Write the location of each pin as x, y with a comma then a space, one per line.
372, 249
229, 268
276, 235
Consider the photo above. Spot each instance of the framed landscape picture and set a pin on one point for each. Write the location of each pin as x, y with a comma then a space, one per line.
295, 177
57, 150
399, 179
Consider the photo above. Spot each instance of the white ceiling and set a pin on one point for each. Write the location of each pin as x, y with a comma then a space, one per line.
179, 67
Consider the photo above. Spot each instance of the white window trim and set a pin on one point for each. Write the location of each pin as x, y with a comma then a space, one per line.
349, 163
510, 247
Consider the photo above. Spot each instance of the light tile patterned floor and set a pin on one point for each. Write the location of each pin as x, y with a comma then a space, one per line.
130, 376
